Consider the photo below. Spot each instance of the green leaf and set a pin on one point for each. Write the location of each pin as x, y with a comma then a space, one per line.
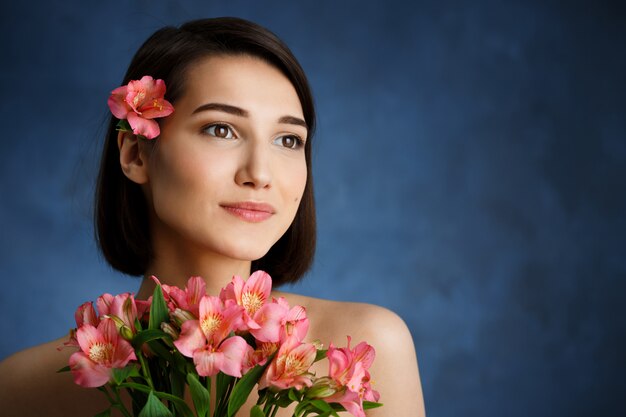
155, 408
200, 395
64, 369
293, 396
160, 350
244, 386
105, 413
179, 403
177, 381
148, 335
123, 126
158, 310
283, 399
321, 354
324, 406
222, 383
120, 375
367, 405
257, 412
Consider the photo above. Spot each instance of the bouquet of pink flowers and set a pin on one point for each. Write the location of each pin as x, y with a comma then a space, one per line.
183, 339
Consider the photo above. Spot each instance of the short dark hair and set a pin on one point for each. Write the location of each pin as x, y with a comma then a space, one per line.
122, 226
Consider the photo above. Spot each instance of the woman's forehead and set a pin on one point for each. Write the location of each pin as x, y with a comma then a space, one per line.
243, 81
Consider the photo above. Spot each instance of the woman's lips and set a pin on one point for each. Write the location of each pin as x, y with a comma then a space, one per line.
250, 211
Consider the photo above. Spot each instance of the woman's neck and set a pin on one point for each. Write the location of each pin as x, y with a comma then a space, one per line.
216, 270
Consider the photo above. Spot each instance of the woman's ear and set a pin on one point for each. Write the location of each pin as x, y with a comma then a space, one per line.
133, 158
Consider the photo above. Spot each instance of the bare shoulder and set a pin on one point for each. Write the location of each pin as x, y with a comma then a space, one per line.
34, 371
336, 320
395, 372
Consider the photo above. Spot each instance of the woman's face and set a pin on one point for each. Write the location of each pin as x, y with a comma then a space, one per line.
229, 169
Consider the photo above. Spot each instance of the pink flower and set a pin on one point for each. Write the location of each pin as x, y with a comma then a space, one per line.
102, 349
251, 294
264, 320
260, 355
290, 367
122, 308
85, 314
206, 339
268, 322
348, 368
294, 322
140, 102
187, 299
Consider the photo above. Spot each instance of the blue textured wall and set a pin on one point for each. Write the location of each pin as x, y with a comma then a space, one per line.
470, 173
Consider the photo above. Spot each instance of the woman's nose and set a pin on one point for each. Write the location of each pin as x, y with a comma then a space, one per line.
255, 167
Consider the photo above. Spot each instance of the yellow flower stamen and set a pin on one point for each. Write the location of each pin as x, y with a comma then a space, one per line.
294, 365
101, 352
211, 323
252, 301
139, 98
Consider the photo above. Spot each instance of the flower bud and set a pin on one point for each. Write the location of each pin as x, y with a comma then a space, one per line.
126, 332
318, 344
118, 321
321, 388
171, 330
180, 316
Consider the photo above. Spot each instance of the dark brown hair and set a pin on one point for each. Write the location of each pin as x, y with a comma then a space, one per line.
121, 219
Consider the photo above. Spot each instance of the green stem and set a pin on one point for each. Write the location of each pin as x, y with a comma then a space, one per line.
119, 404
222, 406
144, 369
208, 387
268, 404
274, 411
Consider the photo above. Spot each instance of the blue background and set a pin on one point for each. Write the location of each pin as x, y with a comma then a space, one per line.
470, 169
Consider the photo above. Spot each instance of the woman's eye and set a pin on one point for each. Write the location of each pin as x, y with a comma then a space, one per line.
220, 131
289, 141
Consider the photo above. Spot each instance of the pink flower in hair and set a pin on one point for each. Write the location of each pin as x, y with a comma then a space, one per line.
139, 103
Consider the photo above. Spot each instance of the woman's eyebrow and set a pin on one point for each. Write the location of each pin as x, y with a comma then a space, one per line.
226, 108
237, 111
293, 121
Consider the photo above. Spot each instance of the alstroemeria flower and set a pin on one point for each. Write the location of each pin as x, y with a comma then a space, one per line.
251, 294
102, 349
294, 323
85, 314
262, 319
349, 369
139, 103
206, 339
122, 308
290, 367
260, 355
187, 299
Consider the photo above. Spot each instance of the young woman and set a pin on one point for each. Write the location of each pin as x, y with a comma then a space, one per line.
225, 189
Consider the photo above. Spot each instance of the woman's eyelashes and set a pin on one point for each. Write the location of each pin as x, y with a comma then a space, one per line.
289, 141
225, 131
219, 130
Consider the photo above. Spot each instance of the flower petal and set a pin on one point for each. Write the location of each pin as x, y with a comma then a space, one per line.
270, 317
117, 103
87, 336
86, 314
144, 127
235, 350
207, 363
191, 338
88, 373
